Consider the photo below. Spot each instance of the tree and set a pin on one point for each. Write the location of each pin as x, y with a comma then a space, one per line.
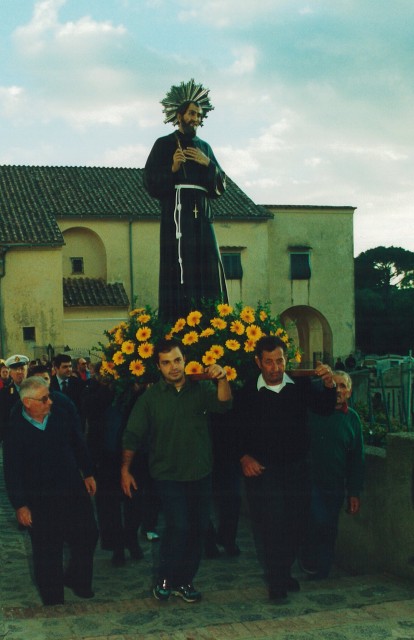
384, 300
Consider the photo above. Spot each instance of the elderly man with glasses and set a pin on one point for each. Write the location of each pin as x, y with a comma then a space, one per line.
49, 482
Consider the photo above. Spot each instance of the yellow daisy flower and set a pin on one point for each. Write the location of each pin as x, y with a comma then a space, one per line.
119, 336
237, 327
218, 323
179, 326
118, 358
144, 318
193, 367
249, 345
233, 345
231, 373
254, 332
247, 315
224, 309
135, 312
143, 334
137, 368
217, 351
207, 333
194, 318
298, 357
263, 315
145, 350
128, 347
190, 338
208, 358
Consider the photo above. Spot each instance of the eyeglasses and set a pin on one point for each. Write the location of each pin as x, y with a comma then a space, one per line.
43, 399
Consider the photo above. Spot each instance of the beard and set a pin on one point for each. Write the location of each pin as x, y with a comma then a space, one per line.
188, 129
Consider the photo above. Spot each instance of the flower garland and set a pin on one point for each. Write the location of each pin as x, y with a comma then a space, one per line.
214, 333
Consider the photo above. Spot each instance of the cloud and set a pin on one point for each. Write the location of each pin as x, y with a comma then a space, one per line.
44, 29
245, 60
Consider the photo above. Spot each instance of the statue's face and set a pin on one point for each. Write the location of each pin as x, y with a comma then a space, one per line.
191, 120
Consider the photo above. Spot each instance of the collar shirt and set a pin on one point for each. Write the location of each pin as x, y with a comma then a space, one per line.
38, 425
277, 388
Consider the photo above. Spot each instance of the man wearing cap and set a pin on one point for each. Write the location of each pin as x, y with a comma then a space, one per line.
9, 395
184, 175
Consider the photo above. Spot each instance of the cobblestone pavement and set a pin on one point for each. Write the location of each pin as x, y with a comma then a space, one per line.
234, 605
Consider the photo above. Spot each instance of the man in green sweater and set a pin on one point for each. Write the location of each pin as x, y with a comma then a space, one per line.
337, 455
172, 419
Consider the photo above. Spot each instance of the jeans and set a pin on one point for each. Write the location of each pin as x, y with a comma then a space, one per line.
186, 508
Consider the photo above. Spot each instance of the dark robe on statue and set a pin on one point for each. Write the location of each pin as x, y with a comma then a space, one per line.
199, 275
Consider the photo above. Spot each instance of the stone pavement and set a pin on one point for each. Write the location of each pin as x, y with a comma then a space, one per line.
234, 605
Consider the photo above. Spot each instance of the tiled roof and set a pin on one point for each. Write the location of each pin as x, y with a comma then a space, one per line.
310, 207
25, 217
93, 292
34, 196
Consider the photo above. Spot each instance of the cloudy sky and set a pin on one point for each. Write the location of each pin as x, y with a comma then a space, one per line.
313, 98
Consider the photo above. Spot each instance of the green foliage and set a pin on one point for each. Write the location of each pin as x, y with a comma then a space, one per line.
375, 427
384, 300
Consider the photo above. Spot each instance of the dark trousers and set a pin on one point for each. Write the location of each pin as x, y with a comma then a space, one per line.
119, 517
56, 521
186, 509
279, 506
319, 547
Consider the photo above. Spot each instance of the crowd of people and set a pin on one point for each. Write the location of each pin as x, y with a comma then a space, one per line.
107, 467
167, 450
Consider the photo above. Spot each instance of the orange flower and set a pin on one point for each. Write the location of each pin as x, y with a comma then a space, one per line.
249, 345
194, 318
237, 327
119, 336
146, 349
231, 372
193, 367
208, 358
190, 338
179, 325
247, 315
128, 347
135, 312
143, 334
207, 332
224, 309
217, 351
279, 332
263, 316
137, 368
218, 323
233, 345
254, 332
118, 358
144, 317
168, 336
298, 357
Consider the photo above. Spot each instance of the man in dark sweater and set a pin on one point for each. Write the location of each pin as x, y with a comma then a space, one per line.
337, 464
274, 451
44, 456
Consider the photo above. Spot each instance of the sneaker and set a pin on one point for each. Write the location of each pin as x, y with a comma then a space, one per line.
152, 536
187, 592
162, 591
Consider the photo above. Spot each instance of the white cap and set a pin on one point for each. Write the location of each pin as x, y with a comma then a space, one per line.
16, 361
